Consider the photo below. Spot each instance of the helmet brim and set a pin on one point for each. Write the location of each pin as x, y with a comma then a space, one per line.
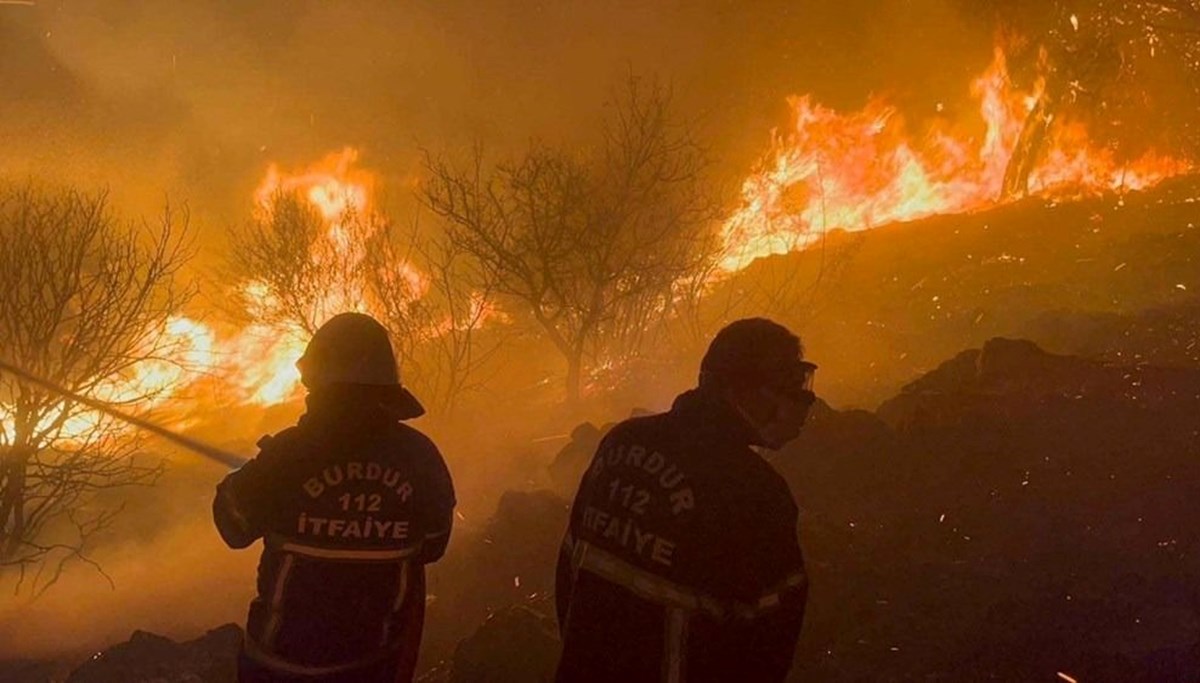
406, 405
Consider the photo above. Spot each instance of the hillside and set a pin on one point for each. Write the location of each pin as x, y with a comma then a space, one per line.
1108, 276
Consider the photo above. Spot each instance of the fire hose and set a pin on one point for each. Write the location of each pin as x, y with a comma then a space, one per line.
194, 445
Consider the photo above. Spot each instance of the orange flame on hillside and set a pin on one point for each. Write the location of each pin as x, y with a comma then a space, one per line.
830, 170
863, 169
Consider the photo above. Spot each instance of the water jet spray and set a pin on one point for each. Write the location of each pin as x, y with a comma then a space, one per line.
199, 447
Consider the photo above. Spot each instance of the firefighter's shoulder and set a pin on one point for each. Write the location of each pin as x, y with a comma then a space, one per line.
413, 443
276, 445
413, 446
773, 490
636, 428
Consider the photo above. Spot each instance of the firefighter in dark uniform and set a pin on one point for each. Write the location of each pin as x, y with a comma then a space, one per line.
681, 561
351, 505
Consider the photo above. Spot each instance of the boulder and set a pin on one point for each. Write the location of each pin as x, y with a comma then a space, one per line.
518, 644
150, 658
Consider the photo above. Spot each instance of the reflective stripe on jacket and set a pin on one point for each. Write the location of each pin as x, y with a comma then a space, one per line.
681, 562
351, 506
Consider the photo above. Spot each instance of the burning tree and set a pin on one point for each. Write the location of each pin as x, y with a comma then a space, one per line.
87, 303
437, 317
594, 247
1129, 69
302, 269
315, 248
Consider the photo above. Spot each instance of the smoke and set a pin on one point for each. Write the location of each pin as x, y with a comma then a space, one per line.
170, 574
180, 585
193, 100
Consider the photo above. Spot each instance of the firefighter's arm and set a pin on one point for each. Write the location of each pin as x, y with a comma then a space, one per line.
564, 579
439, 513
564, 583
232, 513
240, 497
777, 630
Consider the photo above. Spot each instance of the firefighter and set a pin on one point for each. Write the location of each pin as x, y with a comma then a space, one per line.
681, 560
351, 505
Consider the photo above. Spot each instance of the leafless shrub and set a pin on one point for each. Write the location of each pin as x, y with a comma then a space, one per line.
593, 248
84, 302
299, 269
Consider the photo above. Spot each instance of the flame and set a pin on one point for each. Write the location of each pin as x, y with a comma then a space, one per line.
190, 347
261, 359
182, 351
859, 170
332, 185
262, 365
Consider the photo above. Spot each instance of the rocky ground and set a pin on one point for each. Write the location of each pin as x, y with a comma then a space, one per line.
1008, 516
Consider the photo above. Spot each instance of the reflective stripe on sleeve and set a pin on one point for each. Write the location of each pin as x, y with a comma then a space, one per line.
230, 507
402, 588
276, 606
675, 651
650, 586
774, 597
658, 590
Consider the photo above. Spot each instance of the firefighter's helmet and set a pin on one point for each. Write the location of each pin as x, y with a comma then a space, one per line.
354, 349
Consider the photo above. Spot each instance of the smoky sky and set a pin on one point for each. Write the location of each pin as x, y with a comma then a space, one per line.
191, 100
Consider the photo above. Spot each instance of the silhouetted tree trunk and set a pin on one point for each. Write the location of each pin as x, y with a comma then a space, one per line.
1031, 143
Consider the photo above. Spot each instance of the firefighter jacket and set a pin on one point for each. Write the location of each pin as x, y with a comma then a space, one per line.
681, 561
351, 504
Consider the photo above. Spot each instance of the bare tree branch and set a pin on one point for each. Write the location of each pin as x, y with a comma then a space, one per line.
84, 302
593, 247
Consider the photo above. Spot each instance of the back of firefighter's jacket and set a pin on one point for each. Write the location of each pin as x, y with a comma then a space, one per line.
349, 513
681, 562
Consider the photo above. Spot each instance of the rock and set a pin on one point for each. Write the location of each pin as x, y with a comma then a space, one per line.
516, 644
1024, 513
1008, 375
508, 562
150, 658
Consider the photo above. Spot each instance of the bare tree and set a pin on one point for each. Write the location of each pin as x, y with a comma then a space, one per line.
302, 268
435, 305
84, 302
592, 247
